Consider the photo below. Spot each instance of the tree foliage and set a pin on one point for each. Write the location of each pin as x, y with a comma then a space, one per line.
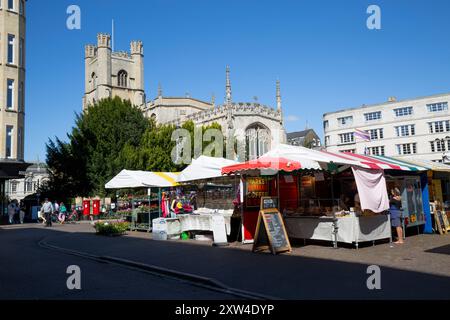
90, 158
109, 136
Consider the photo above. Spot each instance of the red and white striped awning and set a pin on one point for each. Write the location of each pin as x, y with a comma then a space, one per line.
377, 162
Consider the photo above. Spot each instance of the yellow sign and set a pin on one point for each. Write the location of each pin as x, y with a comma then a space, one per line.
413, 218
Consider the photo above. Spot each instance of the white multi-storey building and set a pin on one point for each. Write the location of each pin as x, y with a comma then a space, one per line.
418, 128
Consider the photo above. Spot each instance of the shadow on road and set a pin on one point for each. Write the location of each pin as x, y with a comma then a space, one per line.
285, 276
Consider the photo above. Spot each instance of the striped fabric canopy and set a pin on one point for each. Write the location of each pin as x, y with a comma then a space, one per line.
378, 162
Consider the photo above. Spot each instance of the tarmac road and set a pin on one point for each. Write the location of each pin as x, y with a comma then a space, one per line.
28, 271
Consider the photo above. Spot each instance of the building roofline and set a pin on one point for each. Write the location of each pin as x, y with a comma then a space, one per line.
185, 98
386, 103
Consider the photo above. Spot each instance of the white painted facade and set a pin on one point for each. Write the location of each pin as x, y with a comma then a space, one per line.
36, 176
418, 128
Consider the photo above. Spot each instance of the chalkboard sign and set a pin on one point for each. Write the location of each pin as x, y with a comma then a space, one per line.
441, 221
271, 233
269, 203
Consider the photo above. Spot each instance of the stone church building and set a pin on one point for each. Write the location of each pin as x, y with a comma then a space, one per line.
109, 74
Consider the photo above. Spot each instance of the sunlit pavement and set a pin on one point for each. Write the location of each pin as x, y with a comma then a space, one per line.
418, 269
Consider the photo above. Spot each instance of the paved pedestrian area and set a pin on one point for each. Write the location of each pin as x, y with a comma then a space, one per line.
419, 269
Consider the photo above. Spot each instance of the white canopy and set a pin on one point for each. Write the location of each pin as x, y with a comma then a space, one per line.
146, 179
203, 168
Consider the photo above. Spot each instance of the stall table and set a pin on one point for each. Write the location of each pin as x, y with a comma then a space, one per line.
350, 228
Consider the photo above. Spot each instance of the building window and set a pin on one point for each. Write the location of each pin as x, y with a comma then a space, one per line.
438, 145
405, 111
406, 130
29, 185
325, 124
93, 81
348, 150
347, 137
407, 148
439, 126
122, 78
11, 44
21, 52
437, 107
327, 141
371, 116
10, 4
258, 141
13, 187
376, 151
345, 121
376, 134
10, 94
9, 142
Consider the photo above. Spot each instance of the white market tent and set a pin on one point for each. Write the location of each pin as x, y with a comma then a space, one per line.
204, 168
146, 179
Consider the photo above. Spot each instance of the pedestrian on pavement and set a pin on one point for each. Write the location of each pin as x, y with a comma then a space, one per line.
21, 211
48, 211
11, 211
41, 214
395, 203
62, 213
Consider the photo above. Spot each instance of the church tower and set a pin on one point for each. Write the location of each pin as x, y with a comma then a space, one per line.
109, 74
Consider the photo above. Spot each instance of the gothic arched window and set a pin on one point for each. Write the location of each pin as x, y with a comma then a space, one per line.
122, 78
257, 138
93, 80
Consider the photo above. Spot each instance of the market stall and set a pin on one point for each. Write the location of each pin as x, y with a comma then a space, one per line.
313, 196
438, 178
143, 211
214, 196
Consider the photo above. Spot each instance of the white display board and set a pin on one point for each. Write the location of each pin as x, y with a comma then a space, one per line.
218, 229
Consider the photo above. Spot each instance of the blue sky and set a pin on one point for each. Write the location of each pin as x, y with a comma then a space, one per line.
321, 51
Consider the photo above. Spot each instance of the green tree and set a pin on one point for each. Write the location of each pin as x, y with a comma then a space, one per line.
95, 143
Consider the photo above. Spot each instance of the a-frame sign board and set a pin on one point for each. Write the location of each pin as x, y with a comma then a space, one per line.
270, 230
441, 222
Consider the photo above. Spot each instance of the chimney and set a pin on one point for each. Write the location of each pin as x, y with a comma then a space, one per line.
392, 99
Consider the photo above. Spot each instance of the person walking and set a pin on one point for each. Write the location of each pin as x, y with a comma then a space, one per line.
11, 211
21, 211
395, 203
48, 211
62, 213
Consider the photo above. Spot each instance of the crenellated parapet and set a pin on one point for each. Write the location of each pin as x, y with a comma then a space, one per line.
121, 54
136, 47
237, 109
104, 40
90, 51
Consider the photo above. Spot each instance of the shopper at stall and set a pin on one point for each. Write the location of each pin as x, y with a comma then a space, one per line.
395, 203
62, 213
165, 205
